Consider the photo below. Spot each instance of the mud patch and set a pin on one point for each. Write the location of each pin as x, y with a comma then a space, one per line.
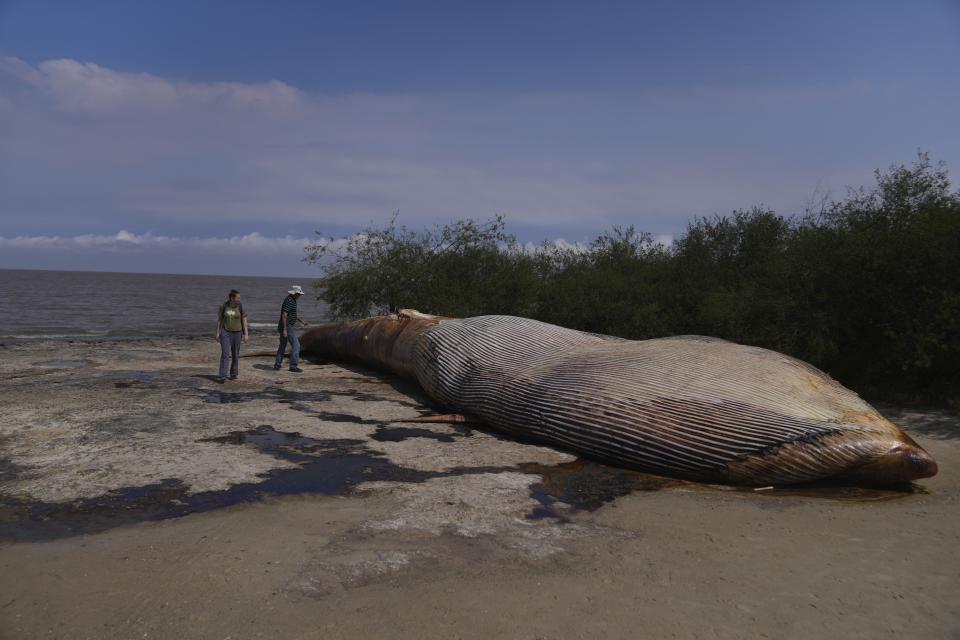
398, 434
366, 380
62, 364
125, 425
127, 379
344, 417
9, 470
584, 485
276, 394
285, 445
297, 400
373, 397
338, 466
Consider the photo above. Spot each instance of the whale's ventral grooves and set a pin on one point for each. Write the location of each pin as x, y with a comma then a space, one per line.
688, 406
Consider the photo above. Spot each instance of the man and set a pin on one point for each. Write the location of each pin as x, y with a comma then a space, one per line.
288, 330
231, 322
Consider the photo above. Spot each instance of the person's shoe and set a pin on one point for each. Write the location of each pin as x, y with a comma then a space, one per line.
296, 369
220, 379
276, 367
233, 377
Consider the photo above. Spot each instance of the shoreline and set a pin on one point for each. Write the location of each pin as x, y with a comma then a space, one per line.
309, 509
265, 329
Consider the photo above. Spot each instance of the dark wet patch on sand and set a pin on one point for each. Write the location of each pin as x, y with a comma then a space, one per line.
8, 469
336, 466
367, 380
285, 445
291, 397
398, 434
270, 393
62, 364
585, 485
329, 416
325, 467
127, 379
364, 397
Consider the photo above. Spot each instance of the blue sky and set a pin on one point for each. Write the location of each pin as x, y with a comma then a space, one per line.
206, 131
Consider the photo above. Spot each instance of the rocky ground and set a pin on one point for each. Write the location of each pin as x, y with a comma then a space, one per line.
139, 498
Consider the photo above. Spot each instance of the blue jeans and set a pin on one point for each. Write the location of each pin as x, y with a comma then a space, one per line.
294, 348
229, 352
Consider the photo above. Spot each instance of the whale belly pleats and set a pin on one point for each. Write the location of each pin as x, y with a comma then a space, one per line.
688, 406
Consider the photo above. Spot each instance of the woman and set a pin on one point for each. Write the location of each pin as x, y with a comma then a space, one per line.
231, 323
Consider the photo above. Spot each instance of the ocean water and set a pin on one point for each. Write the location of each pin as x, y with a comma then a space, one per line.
87, 305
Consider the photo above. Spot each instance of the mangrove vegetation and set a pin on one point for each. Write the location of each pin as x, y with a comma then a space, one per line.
866, 287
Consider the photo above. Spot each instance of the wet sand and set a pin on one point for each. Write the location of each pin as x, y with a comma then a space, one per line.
141, 499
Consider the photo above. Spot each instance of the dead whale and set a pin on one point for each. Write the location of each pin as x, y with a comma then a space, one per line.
690, 407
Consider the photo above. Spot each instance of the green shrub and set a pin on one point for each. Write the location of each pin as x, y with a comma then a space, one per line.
867, 289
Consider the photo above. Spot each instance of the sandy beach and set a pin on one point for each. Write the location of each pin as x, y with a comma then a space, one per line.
139, 498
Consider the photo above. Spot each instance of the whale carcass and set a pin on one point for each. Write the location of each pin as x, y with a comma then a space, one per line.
690, 407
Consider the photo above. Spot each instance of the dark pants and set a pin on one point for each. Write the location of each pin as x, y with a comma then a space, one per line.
294, 348
230, 352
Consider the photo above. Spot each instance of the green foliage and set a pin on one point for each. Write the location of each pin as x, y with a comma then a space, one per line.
867, 288
610, 288
457, 270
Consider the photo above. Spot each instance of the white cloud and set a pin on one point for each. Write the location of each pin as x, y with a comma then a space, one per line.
559, 243
125, 241
137, 150
663, 240
90, 88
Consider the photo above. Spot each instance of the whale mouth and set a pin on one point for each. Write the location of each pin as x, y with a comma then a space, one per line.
904, 462
917, 462
846, 457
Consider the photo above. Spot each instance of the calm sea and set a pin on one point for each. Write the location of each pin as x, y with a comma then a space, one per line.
92, 305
